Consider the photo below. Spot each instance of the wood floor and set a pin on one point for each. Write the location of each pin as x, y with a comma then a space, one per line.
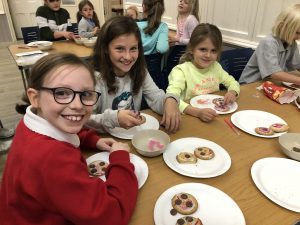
11, 90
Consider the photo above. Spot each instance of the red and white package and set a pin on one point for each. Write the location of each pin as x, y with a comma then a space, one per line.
277, 93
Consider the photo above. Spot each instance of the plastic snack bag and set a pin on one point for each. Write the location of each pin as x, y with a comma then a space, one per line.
277, 93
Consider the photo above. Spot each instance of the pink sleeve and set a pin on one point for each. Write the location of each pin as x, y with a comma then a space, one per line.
189, 26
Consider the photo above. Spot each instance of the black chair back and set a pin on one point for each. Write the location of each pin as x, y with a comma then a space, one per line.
75, 28
173, 58
154, 66
234, 61
30, 34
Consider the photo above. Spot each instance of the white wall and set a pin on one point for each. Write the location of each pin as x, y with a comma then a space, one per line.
1, 8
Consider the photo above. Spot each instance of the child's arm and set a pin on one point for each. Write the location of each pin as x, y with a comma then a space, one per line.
162, 45
287, 77
206, 115
171, 117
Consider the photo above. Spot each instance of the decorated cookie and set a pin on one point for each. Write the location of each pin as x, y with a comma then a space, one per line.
189, 220
186, 157
204, 153
97, 168
264, 131
184, 203
279, 127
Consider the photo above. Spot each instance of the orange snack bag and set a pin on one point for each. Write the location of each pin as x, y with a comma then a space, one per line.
279, 94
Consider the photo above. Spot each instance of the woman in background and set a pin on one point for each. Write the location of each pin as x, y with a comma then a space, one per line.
277, 54
54, 22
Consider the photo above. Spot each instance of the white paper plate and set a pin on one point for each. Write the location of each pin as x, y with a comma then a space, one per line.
207, 103
29, 53
203, 168
291, 85
248, 120
141, 168
279, 180
151, 123
215, 207
36, 43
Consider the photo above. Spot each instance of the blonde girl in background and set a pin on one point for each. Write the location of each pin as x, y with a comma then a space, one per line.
133, 12
277, 54
154, 32
200, 73
46, 179
187, 20
87, 19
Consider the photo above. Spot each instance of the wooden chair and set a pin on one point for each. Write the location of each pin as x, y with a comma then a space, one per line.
234, 61
30, 34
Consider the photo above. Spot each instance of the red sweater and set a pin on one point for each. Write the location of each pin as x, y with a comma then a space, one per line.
46, 181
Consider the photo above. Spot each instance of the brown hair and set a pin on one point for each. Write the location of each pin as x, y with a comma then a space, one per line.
113, 28
287, 24
154, 10
44, 66
201, 32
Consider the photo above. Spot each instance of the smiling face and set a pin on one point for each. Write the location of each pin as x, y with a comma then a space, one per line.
204, 54
70, 117
123, 52
87, 12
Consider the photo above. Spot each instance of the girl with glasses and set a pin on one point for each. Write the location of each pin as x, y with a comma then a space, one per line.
46, 179
277, 54
54, 22
88, 22
123, 79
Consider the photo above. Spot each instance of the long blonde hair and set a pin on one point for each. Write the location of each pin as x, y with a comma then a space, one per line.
194, 9
287, 24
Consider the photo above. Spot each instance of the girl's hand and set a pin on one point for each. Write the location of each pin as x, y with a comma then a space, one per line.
129, 118
96, 30
172, 38
230, 97
206, 115
69, 35
105, 144
120, 146
171, 117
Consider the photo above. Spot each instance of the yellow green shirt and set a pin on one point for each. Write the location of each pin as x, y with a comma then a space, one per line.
187, 81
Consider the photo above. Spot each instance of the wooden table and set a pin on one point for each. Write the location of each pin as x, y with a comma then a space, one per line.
58, 46
244, 150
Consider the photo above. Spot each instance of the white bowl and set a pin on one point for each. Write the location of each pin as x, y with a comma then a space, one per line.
290, 145
150, 142
79, 41
45, 45
90, 42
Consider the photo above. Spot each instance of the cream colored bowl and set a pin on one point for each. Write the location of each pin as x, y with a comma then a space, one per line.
79, 41
290, 145
45, 45
90, 42
151, 142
